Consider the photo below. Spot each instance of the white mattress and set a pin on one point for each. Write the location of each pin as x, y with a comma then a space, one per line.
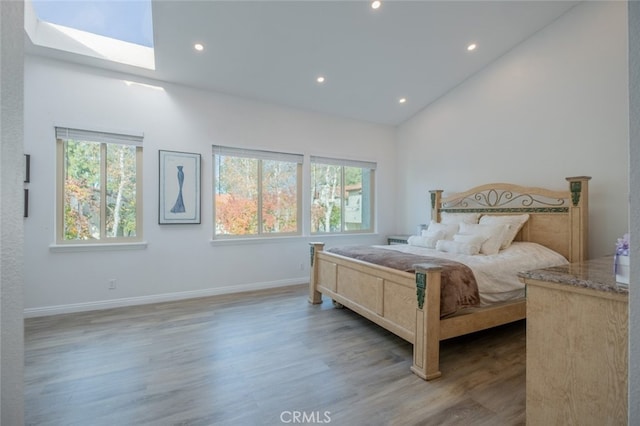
496, 275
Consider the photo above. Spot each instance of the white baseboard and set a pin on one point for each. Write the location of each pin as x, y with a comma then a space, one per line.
157, 298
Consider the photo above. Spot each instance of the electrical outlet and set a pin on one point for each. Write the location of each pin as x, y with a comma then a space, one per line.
112, 284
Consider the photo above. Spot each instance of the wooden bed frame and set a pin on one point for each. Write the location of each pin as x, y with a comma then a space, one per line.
408, 304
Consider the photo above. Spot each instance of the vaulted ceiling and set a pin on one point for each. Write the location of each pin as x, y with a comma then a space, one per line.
274, 51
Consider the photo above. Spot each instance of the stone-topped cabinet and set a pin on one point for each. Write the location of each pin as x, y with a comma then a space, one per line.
577, 334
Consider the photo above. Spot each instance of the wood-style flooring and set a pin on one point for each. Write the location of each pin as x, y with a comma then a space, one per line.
261, 358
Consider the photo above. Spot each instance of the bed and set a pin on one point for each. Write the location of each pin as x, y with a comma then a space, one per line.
408, 302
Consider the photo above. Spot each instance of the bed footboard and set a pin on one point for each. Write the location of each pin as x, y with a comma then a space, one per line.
404, 303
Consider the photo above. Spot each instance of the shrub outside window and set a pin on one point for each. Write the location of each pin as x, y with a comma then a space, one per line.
99, 189
256, 193
341, 195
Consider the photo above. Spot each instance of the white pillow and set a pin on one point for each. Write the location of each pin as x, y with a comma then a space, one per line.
515, 222
448, 230
494, 235
470, 239
425, 241
446, 217
458, 247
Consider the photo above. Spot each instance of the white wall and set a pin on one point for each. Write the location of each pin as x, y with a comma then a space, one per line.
180, 259
634, 297
11, 239
554, 106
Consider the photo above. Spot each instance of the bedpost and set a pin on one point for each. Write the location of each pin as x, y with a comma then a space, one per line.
579, 218
315, 297
426, 345
436, 204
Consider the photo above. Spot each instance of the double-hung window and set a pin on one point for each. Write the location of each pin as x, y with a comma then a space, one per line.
341, 195
99, 187
256, 193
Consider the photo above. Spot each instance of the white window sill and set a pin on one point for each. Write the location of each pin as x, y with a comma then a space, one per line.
257, 240
289, 239
68, 248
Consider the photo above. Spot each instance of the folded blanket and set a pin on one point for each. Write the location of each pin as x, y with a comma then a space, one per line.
458, 286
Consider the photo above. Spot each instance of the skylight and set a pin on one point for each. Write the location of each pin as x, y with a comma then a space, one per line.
115, 30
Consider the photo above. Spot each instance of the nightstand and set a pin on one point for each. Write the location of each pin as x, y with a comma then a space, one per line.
397, 239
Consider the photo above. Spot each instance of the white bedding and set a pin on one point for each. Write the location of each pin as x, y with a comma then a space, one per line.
496, 274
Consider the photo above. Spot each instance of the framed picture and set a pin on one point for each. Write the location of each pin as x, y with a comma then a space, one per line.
26, 202
179, 188
27, 168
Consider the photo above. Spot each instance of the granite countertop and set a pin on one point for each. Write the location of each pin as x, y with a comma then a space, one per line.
596, 274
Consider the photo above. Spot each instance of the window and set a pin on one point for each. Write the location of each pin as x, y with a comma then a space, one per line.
256, 193
99, 187
341, 195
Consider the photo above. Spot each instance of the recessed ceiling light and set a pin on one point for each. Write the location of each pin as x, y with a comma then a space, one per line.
320, 79
471, 47
375, 4
402, 100
199, 47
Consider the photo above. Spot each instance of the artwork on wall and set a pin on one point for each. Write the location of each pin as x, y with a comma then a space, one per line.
27, 168
26, 171
179, 188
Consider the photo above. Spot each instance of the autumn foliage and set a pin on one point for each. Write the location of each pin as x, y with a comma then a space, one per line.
237, 202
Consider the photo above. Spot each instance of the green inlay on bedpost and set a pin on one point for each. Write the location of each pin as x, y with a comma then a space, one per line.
421, 285
312, 249
433, 200
576, 189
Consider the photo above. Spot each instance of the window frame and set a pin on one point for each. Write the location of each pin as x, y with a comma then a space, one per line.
260, 156
64, 134
368, 165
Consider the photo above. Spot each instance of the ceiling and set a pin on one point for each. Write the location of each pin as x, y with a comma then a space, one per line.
273, 51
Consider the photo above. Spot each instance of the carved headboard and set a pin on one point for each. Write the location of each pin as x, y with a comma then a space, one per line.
557, 219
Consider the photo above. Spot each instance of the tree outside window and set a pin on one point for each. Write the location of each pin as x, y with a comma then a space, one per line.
256, 193
99, 188
341, 195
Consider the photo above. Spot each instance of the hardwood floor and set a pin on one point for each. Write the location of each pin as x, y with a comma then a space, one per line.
262, 358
